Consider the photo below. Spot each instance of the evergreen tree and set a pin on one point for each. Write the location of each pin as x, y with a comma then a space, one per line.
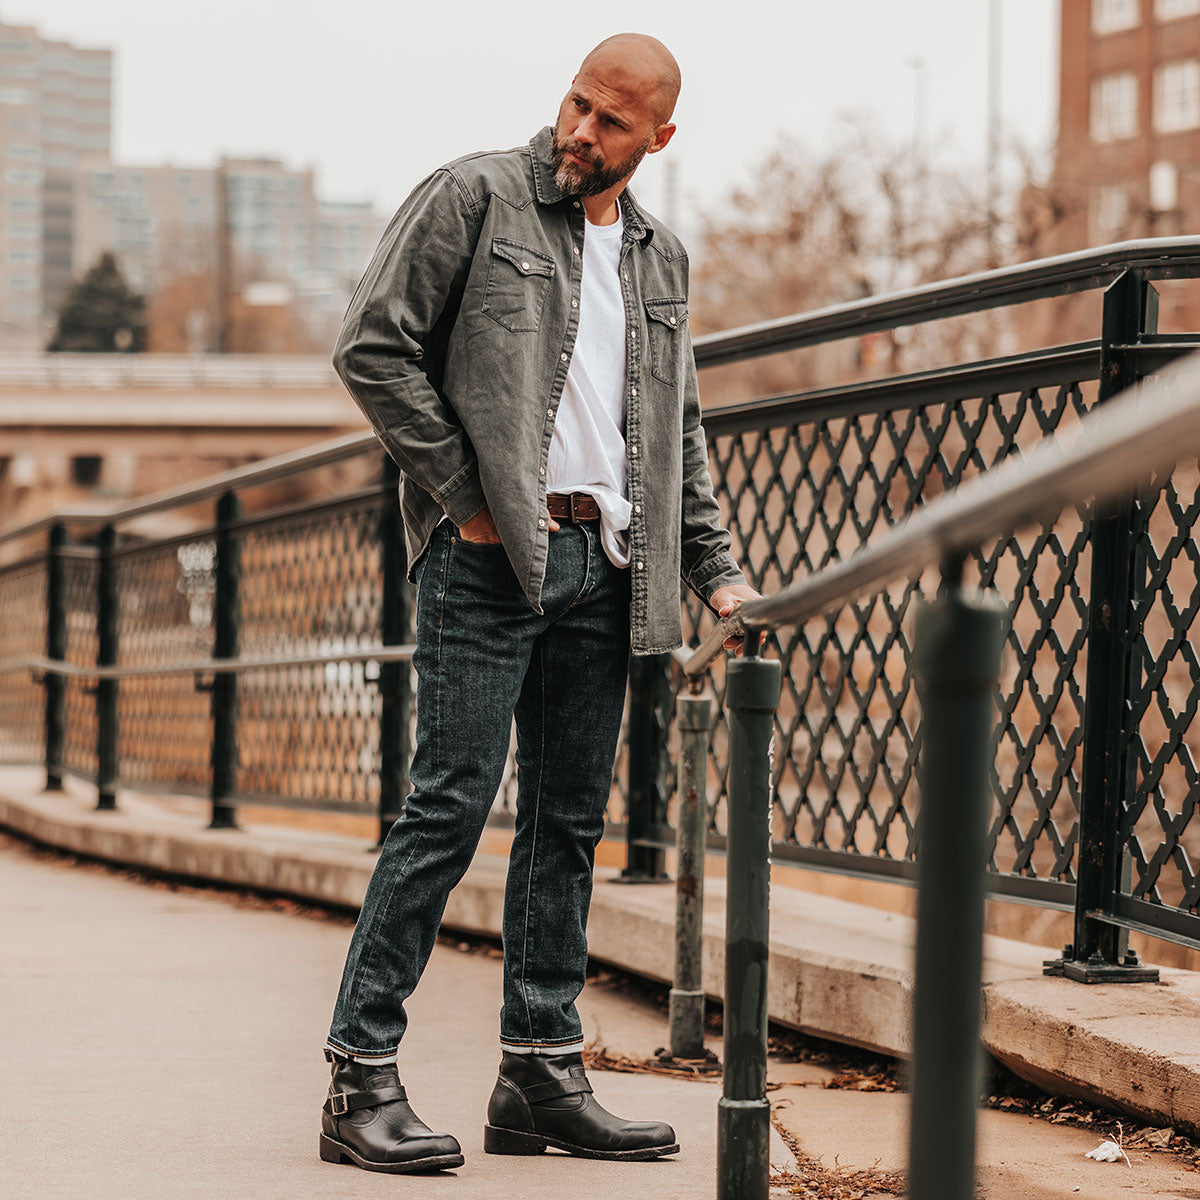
101, 313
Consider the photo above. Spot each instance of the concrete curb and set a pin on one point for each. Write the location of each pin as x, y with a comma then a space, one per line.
838, 970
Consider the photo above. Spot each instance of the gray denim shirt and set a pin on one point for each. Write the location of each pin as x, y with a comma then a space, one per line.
456, 347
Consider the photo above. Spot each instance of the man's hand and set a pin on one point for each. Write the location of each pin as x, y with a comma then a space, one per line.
726, 599
480, 528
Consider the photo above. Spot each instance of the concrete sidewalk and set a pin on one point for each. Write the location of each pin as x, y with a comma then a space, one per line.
838, 970
164, 1044
168, 1045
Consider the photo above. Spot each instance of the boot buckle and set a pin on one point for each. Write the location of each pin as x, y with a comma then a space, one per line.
339, 1104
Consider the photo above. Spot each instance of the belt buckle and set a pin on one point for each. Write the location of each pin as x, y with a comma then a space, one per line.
571, 502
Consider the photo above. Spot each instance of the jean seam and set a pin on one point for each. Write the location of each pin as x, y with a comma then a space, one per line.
537, 809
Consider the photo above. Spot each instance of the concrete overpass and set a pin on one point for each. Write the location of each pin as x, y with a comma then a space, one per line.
75, 427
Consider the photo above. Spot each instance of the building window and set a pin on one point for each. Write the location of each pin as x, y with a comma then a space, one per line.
85, 469
1111, 16
1108, 214
1172, 10
1177, 96
1114, 107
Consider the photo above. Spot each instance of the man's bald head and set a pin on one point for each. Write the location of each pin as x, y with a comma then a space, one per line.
640, 63
617, 110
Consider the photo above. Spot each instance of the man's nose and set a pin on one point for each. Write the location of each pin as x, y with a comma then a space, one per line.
585, 131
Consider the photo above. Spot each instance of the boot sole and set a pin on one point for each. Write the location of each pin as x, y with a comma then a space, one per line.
514, 1141
333, 1151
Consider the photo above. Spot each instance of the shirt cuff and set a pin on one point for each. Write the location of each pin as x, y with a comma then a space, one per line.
719, 573
461, 497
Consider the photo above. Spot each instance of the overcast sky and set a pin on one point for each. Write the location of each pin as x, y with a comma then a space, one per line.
376, 93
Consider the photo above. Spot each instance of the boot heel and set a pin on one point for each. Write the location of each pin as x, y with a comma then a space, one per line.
511, 1141
329, 1150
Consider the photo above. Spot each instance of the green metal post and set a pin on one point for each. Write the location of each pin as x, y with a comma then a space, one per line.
959, 640
649, 718
225, 645
693, 715
1098, 952
106, 689
56, 647
743, 1113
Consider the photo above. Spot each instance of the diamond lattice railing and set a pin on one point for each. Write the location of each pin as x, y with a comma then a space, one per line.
22, 635
799, 496
311, 583
1160, 827
164, 615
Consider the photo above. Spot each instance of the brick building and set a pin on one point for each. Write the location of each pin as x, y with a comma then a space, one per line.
1128, 155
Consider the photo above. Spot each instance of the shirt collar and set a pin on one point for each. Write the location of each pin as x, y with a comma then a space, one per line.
541, 151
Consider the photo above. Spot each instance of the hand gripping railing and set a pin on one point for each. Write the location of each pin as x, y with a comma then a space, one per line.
959, 639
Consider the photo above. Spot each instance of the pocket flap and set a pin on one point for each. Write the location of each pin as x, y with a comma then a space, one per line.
668, 311
526, 260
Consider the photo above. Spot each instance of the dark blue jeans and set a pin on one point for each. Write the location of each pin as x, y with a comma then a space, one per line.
482, 657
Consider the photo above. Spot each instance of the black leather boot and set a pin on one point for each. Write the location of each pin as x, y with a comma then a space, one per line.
545, 1100
366, 1120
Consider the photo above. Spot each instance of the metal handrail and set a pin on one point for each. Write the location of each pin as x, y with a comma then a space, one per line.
1157, 257
206, 666
1080, 271
1147, 430
268, 470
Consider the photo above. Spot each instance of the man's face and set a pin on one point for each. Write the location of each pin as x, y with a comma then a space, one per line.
603, 132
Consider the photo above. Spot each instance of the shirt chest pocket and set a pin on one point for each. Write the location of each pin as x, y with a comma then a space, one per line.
517, 282
665, 326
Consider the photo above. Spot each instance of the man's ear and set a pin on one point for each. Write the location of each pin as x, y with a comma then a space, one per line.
662, 135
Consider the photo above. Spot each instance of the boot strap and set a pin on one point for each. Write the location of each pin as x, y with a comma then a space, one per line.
556, 1087
341, 1103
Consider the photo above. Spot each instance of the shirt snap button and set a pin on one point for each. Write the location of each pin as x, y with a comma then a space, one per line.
633, 391
564, 357
576, 249
541, 523
541, 470
641, 566
524, 266
549, 412
632, 449
637, 508
574, 303
672, 320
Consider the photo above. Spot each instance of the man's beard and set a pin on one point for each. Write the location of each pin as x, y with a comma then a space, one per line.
576, 180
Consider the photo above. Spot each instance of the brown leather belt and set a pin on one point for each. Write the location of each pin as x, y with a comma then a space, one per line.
574, 507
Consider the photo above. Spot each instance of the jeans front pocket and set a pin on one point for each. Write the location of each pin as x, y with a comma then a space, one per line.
518, 279
665, 325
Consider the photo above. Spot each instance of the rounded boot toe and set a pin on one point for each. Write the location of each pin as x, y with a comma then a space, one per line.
417, 1149
652, 1133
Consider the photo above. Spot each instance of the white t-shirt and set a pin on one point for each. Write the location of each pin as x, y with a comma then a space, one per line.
587, 450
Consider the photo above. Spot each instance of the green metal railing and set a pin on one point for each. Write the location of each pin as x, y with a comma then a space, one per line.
959, 645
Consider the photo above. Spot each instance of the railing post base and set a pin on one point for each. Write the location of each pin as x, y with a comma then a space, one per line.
743, 1148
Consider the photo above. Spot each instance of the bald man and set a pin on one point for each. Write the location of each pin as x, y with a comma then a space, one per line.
519, 344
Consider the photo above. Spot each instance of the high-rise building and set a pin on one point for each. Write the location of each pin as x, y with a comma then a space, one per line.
55, 114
